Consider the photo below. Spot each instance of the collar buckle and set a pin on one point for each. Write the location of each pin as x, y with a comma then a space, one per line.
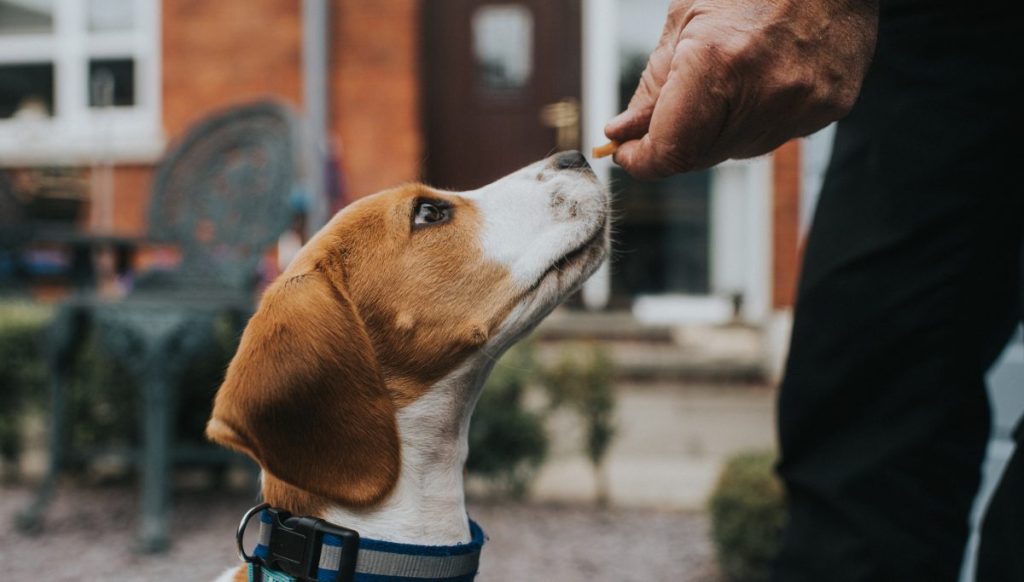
304, 547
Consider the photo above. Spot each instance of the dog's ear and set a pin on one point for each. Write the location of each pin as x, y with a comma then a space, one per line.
304, 395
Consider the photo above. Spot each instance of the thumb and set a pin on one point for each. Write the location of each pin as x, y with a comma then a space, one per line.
644, 159
634, 121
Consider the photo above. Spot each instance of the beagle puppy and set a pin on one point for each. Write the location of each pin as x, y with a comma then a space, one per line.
354, 381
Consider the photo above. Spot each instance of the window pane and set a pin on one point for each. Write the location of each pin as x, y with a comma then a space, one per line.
26, 90
503, 46
26, 16
111, 82
107, 15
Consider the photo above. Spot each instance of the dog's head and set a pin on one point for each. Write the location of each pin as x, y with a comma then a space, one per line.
394, 294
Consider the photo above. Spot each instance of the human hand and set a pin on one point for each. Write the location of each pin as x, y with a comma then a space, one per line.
738, 78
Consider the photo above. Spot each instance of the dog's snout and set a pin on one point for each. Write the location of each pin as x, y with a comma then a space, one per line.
571, 160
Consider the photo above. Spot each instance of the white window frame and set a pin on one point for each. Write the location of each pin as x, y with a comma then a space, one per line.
76, 134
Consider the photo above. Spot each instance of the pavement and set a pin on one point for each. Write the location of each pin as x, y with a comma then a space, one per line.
687, 399
720, 354
671, 444
672, 440
89, 535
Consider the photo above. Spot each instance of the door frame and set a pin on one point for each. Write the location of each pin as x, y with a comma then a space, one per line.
600, 62
741, 191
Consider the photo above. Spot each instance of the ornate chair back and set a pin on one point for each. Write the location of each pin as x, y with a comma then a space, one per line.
222, 194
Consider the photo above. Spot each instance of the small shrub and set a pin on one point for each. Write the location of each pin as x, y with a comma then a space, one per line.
747, 514
23, 377
583, 380
103, 398
106, 399
507, 442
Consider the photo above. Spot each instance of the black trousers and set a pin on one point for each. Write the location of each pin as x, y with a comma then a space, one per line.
911, 286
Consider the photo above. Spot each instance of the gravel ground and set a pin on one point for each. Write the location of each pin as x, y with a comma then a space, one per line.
89, 535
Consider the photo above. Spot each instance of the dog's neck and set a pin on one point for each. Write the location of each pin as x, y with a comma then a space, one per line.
427, 505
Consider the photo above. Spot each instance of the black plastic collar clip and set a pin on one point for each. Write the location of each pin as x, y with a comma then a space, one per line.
296, 543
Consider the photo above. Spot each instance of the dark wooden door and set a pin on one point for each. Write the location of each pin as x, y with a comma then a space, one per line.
502, 86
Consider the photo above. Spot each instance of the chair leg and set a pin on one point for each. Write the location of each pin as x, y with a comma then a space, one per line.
158, 415
31, 519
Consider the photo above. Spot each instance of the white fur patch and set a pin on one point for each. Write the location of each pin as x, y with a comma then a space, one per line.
427, 505
536, 215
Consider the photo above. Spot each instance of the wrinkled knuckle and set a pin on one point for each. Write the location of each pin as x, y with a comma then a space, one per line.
804, 84
835, 103
732, 50
668, 158
675, 16
729, 60
645, 90
796, 87
722, 52
678, 13
846, 100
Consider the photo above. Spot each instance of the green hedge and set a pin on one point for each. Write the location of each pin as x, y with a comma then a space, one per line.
747, 512
507, 442
104, 399
583, 380
22, 372
507, 439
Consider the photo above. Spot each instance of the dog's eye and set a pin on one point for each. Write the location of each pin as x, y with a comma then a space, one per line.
430, 213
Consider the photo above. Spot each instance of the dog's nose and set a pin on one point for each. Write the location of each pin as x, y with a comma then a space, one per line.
571, 160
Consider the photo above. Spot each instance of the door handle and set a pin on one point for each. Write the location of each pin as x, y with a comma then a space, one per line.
564, 117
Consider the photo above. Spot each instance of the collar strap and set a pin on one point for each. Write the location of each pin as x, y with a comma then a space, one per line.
293, 548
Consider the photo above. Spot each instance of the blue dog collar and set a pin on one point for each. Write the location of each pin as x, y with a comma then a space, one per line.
289, 547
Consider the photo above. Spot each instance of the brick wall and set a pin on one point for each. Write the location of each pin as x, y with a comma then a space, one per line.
218, 53
785, 224
375, 92
131, 199
214, 54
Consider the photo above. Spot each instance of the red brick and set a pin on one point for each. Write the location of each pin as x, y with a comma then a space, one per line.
786, 224
217, 54
375, 92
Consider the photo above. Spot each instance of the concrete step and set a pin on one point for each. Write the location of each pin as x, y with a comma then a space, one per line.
565, 324
669, 448
641, 353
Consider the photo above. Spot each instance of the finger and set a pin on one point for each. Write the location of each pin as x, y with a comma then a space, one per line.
634, 121
686, 122
643, 159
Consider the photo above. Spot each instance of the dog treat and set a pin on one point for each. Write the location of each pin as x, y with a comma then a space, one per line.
605, 150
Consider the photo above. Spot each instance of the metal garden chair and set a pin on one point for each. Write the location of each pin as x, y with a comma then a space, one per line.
221, 196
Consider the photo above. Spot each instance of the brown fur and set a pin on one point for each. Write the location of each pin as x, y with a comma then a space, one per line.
370, 314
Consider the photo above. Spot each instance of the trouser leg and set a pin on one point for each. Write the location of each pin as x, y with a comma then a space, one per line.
883, 412
1001, 553
909, 291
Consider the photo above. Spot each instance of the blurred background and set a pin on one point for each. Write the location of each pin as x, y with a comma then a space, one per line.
162, 160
